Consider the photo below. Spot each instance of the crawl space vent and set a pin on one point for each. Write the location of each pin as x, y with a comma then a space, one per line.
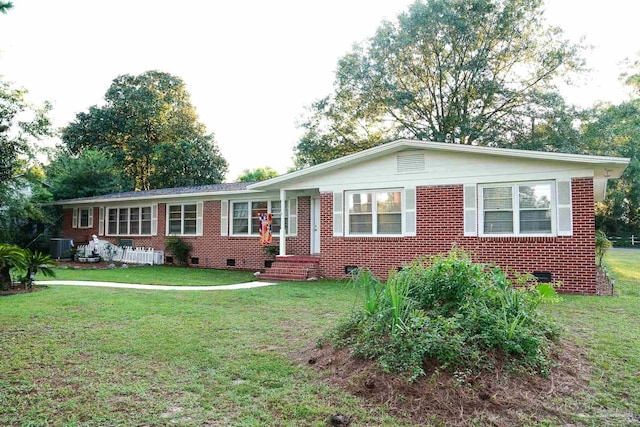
407, 163
349, 269
542, 276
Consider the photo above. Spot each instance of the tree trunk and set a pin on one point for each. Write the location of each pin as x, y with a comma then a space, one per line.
5, 278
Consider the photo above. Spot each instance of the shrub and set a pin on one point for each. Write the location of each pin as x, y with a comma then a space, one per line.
603, 244
36, 262
10, 257
24, 263
180, 249
449, 311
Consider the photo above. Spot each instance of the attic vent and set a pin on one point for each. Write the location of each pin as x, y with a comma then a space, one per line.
410, 163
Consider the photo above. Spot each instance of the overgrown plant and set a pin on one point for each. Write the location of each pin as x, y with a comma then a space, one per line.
450, 311
10, 257
603, 244
271, 250
36, 262
180, 249
370, 286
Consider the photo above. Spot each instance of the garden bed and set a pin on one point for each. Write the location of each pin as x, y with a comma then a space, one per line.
19, 288
502, 397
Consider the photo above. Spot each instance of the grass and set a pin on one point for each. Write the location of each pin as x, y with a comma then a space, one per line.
75, 356
87, 356
156, 275
609, 328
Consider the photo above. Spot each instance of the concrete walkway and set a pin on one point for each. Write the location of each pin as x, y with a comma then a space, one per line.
248, 285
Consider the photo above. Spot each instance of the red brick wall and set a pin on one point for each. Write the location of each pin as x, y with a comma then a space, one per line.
440, 212
211, 248
79, 235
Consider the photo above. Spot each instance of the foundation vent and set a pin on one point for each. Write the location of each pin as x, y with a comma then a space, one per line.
542, 276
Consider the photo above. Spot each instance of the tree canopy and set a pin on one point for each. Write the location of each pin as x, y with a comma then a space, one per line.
454, 71
614, 130
90, 173
258, 174
21, 124
150, 129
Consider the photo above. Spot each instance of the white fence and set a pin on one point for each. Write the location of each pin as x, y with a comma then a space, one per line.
109, 252
624, 241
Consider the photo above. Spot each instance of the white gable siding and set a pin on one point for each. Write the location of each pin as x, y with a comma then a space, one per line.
441, 168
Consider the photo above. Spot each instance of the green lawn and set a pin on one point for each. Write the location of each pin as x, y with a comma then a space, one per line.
78, 356
156, 275
609, 328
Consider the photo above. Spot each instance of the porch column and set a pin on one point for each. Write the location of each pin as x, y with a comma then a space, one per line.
283, 233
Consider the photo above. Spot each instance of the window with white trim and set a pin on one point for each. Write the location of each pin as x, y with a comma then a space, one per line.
135, 221
182, 219
374, 213
84, 218
245, 216
517, 209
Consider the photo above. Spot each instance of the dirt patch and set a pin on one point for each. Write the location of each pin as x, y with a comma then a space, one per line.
604, 283
498, 398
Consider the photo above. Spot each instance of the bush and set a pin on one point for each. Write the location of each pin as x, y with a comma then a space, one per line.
450, 311
24, 263
180, 249
603, 244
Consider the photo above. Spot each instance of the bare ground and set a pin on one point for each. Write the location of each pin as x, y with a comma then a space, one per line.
498, 398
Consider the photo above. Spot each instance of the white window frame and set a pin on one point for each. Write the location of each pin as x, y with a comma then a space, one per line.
256, 233
182, 219
374, 212
89, 212
515, 194
107, 228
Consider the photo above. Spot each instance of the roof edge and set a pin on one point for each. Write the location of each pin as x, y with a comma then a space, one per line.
443, 146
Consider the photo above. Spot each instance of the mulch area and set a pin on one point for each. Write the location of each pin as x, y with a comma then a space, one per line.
102, 265
18, 288
604, 284
497, 398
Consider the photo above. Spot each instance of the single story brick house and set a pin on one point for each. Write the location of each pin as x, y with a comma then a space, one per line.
527, 210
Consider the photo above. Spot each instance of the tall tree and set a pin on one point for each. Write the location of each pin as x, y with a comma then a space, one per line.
467, 72
21, 125
188, 163
145, 119
615, 130
257, 174
89, 173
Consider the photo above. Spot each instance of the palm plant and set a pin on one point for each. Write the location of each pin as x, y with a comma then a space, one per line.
36, 262
10, 257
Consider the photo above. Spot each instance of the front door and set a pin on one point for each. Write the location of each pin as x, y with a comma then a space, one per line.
315, 226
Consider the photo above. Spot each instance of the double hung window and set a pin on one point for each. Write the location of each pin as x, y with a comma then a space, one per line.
129, 221
517, 209
374, 212
245, 216
182, 219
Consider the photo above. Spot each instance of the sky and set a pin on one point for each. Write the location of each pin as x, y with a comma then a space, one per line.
250, 66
